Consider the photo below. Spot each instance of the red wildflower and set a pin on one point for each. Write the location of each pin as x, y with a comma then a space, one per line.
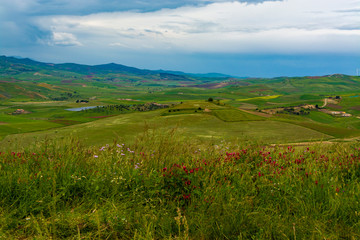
186, 196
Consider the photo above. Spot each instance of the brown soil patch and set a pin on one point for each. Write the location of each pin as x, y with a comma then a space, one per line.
3, 123
356, 108
2, 96
334, 106
66, 81
207, 110
308, 106
41, 74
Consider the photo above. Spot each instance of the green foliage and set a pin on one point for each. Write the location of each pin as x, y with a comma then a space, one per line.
166, 187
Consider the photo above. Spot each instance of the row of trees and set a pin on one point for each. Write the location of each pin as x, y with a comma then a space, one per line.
118, 108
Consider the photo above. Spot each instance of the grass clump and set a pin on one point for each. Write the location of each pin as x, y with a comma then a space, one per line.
165, 187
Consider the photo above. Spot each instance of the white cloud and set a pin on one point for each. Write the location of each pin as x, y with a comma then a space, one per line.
291, 26
64, 39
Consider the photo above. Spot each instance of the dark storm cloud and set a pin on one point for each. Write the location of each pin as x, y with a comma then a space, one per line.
16, 16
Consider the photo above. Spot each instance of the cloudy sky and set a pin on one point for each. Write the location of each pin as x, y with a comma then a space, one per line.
244, 38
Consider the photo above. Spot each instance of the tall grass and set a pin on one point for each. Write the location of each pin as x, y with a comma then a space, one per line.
165, 186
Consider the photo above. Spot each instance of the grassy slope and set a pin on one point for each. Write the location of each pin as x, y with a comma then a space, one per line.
165, 186
128, 126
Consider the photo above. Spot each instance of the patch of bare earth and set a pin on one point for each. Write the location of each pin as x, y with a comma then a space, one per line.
3, 123
334, 106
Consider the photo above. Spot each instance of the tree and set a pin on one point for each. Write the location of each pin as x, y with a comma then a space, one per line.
210, 99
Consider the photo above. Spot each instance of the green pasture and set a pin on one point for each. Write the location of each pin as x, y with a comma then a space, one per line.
234, 115
321, 117
168, 186
127, 126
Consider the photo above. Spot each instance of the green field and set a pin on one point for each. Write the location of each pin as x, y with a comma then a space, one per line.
234, 115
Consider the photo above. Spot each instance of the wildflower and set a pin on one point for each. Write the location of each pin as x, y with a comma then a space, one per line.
118, 145
96, 156
102, 149
122, 154
186, 196
164, 169
137, 166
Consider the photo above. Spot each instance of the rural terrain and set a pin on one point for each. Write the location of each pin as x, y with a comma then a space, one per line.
34, 98
116, 152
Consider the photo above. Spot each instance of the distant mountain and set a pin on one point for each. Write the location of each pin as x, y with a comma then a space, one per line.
13, 64
206, 75
71, 67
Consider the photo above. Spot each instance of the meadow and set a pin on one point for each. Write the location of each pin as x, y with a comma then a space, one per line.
176, 156
167, 186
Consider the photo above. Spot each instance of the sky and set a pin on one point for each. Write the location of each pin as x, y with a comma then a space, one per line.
247, 38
